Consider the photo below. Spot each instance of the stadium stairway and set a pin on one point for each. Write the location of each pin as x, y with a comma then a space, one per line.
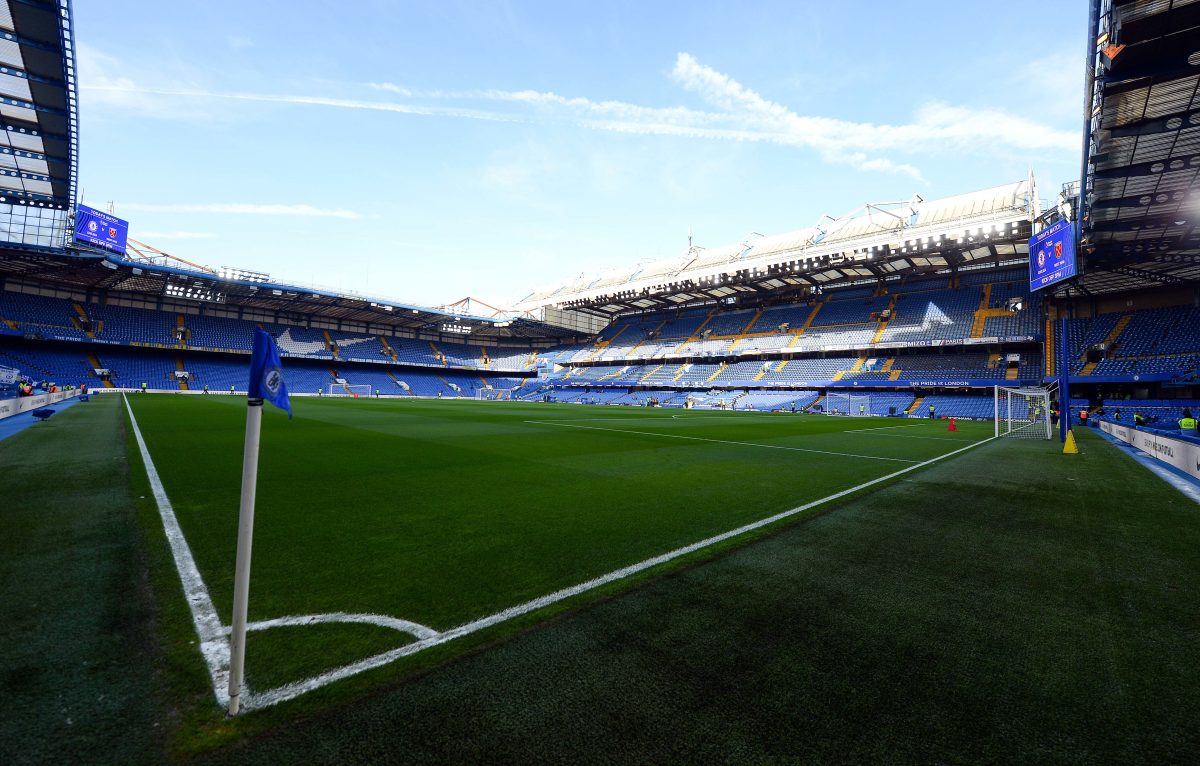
1012, 373
722, 367
599, 346
96, 365
913, 407
629, 353
741, 336
808, 322
184, 334
438, 354
387, 348
82, 321
484, 359
647, 375
183, 384
984, 312
1110, 341
330, 346
816, 403
334, 375
891, 309
400, 383
695, 336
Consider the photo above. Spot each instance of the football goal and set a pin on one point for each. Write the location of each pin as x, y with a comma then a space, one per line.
1023, 413
494, 394
847, 404
349, 389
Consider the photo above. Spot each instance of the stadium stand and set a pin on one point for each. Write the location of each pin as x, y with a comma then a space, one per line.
911, 335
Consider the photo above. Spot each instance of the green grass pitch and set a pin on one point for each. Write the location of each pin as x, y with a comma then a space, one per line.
442, 512
1007, 604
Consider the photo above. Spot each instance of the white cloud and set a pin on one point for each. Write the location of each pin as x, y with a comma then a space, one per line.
739, 113
241, 208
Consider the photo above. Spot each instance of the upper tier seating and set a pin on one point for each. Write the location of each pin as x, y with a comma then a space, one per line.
1153, 341
39, 315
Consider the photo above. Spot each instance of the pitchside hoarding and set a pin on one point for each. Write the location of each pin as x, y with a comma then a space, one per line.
1052, 255
100, 229
1184, 455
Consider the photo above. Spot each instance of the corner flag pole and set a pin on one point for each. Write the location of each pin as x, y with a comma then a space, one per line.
266, 383
241, 577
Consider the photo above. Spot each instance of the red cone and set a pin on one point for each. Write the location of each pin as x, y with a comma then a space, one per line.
951, 427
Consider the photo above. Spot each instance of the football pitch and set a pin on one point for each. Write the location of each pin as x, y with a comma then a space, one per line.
388, 528
1006, 603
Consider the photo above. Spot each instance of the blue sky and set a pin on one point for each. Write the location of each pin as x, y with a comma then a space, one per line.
427, 151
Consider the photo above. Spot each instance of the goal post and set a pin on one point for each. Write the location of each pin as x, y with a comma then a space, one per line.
349, 389
1022, 413
494, 394
853, 405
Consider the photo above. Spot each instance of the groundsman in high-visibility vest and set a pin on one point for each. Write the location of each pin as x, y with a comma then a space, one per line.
1187, 422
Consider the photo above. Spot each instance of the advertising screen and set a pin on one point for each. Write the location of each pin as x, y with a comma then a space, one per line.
100, 229
1052, 255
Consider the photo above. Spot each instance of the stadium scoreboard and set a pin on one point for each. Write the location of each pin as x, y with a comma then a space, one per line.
1052, 255
100, 229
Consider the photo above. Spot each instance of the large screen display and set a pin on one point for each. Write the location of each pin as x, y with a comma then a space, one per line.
100, 229
1052, 255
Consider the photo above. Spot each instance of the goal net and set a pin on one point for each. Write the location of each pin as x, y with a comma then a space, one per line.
494, 394
847, 404
1023, 413
349, 389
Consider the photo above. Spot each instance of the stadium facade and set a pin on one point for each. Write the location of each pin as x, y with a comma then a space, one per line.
914, 302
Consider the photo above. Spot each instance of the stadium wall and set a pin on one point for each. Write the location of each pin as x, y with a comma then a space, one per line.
15, 406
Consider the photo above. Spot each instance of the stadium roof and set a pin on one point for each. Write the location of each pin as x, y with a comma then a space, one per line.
1141, 205
101, 274
39, 120
875, 242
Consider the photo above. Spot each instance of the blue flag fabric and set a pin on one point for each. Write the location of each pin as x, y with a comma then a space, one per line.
266, 373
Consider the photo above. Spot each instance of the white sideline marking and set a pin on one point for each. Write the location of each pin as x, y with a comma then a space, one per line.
382, 620
213, 642
564, 424
293, 690
882, 428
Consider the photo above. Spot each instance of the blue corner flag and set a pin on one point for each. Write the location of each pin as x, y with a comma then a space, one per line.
266, 373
